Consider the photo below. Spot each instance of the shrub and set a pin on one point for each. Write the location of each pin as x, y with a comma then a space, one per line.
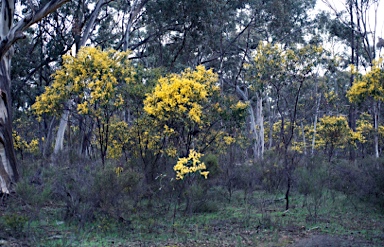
207, 206
14, 224
363, 179
311, 181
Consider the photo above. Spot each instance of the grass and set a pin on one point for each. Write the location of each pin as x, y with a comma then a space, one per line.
258, 221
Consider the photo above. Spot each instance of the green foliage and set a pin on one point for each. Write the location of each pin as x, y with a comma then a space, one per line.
272, 172
35, 194
15, 223
111, 184
362, 180
312, 180
206, 206
211, 161
274, 65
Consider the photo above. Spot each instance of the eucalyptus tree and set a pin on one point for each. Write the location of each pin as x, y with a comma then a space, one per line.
285, 73
185, 33
10, 32
31, 76
356, 24
285, 22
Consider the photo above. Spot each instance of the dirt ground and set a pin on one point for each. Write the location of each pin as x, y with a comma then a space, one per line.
309, 241
331, 241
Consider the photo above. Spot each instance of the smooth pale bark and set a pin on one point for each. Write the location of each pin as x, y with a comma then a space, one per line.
304, 139
45, 149
315, 125
9, 34
61, 131
137, 8
260, 127
256, 124
59, 144
8, 168
376, 110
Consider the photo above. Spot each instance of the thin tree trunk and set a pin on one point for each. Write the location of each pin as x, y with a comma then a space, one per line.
352, 108
59, 145
304, 139
9, 34
48, 142
376, 110
253, 127
315, 125
260, 125
82, 41
256, 124
137, 7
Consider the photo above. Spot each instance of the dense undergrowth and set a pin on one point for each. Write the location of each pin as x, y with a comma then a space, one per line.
80, 203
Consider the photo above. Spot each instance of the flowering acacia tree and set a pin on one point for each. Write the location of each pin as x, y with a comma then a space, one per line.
334, 133
94, 82
185, 111
370, 87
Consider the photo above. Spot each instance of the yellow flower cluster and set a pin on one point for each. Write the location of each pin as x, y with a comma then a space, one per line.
240, 106
368, 85
229, 140
119, 170
334, 130
20, 144
181, 96
273, 62
91, 78
190, 164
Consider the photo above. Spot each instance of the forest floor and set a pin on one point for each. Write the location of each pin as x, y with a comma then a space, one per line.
257, 221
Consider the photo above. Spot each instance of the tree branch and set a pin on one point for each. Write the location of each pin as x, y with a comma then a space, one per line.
16, 32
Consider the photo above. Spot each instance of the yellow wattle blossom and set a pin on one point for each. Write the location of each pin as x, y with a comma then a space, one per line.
190, 164
171, 152
20, 144
369, 85
92, 78
181, 95
119, 170
205, 174
228, 140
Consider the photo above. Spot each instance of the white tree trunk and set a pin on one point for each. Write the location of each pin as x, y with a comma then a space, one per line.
8, 168
376, 110
256, 123
9, 34
59, 144
304, 139
315, 125
137, 7
260, 127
